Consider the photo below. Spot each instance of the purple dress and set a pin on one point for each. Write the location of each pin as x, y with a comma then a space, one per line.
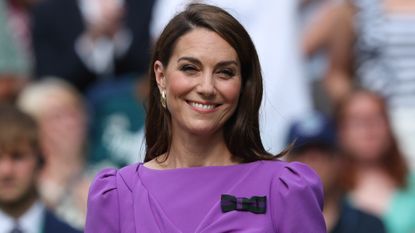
137, 199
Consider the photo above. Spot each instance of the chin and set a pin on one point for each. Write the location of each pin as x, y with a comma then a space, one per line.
203, 131
9, 198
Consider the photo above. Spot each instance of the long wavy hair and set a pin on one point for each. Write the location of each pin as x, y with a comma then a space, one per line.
392, 160
241, 131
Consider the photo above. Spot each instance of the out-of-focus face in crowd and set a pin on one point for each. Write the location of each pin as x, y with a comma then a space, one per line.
364, 130
18, 171
62, 120
60, 113
20, 158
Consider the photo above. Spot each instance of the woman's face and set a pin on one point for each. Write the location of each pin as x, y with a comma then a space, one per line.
364, 131
202, 82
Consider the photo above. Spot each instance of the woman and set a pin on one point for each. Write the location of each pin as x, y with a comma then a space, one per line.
205, 168
376, 175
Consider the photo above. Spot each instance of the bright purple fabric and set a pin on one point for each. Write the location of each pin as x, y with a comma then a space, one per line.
137, 199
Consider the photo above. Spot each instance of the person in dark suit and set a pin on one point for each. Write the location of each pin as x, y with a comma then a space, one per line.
83, 41
21, 211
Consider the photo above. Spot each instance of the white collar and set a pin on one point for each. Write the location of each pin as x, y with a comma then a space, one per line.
90, 9
30, 222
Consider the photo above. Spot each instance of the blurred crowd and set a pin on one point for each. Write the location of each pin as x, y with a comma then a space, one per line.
339, 92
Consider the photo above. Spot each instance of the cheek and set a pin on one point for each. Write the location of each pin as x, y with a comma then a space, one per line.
28, 169
29, 164
177, 85
231, 91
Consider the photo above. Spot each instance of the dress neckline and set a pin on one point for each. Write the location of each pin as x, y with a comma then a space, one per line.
198, 168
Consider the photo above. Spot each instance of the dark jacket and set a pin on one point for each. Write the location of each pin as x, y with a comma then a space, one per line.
53, 225
353, 220
57, 24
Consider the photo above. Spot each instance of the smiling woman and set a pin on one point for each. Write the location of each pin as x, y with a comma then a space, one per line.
210, 45
202, 88
203, 145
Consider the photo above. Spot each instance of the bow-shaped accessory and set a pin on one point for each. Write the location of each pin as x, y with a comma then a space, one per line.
255, 204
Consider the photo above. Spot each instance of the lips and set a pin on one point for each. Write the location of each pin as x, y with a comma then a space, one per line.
203, 106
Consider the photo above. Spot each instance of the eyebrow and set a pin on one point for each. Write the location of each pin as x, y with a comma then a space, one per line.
194, 60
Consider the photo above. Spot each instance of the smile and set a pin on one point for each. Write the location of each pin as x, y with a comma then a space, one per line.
202, 106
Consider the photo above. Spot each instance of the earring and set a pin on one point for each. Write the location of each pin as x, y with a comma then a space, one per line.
163, 100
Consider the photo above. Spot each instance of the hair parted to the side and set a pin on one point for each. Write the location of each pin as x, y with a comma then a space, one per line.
241, 131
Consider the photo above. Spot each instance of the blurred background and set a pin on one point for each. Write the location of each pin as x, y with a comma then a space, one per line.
339, 90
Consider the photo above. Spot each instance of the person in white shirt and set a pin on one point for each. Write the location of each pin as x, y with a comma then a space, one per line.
21, 211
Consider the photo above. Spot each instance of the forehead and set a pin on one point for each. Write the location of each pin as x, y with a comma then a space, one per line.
21, 145
363, 104
205, 45
57, 100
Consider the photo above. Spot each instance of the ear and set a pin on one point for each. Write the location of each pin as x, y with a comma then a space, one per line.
159, 72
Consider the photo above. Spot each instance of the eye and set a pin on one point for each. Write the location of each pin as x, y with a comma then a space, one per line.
188, 68
18, 156
227, 73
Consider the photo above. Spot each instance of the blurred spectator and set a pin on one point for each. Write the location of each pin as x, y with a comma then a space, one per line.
117, 122
59, 111
373, 41
86, 40
376, 174
20, 164
15, 48
315, 144
274, 28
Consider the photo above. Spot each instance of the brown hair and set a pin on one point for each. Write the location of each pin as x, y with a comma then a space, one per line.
17, 127
392, 161
241, 131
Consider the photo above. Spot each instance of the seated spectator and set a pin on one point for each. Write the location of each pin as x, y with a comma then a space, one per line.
59, 111
376, 175
100, 39
20, 165
315, 144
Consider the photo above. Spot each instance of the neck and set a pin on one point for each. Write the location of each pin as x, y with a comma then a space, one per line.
21, 206
369, 167
194, 151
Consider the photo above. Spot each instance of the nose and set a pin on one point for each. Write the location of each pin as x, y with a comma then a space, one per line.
206, 86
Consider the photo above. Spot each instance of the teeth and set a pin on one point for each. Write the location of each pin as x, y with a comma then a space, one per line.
204, 106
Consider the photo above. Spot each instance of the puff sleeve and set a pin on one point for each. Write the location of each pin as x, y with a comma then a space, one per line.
297, 197
103, 207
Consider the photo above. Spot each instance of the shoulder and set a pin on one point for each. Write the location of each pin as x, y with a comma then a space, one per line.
110, 179
296, 194
104, 182
292, 173
53, 224
292, 180
104, 198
